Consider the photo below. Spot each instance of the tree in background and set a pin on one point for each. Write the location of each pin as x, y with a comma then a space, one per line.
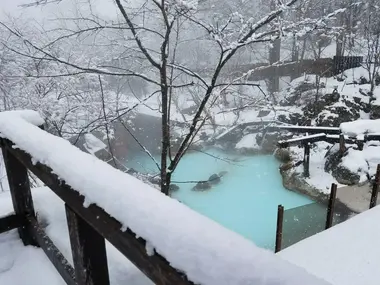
151, 41
371, 26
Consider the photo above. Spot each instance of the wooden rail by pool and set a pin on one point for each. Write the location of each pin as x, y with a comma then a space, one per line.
330, 210
280, 222
88, 228
331, 207
306, 140
375, 188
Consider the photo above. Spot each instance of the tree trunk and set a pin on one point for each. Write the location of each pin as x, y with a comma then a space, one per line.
295, 58
274, 56
165, 137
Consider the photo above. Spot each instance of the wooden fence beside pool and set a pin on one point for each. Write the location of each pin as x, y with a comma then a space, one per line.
330, 217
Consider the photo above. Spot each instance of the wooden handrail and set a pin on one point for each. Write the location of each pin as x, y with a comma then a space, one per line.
92, 218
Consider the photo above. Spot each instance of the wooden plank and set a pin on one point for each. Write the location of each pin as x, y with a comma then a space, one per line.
20, 192
11, 222
375, 188
89, 251
331, 207
155, 267
52, 252
280, 222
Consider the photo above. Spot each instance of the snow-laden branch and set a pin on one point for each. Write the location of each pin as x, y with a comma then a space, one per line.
48, 56
136, 36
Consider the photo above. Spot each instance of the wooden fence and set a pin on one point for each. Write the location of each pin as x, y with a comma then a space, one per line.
330, 209
88, 228
342, 63
325, 67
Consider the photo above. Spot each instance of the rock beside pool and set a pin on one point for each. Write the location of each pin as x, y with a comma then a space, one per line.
286, 166
289, 165
283, 155
294, 181
214, 179
202, 186
222, 173
343, 174
173, 187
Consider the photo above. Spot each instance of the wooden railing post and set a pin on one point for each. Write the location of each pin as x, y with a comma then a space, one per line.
89, 251
306, 160
20, 192
331, 207
342, 144
375, 188
280, 220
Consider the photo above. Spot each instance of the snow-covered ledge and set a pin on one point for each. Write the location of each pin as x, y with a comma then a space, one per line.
208, 253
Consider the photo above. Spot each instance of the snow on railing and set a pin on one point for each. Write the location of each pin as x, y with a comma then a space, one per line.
203, 250
307, 139
360, 127
305, 129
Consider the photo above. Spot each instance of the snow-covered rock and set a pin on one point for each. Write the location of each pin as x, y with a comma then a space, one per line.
283, 155
348, 168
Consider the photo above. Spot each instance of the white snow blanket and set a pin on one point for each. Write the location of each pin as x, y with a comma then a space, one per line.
345, 254
248, 141
208, 253
93, 144
360, 127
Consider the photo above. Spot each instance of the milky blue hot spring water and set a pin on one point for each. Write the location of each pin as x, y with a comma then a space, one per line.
245, 200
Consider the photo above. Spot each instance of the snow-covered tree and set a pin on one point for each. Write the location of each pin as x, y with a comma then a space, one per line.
156, 42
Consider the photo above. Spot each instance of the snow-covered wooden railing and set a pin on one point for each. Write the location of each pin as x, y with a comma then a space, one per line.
305, 129
167, 241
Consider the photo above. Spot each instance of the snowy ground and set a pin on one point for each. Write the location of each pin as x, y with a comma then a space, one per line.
346, 254
19, 264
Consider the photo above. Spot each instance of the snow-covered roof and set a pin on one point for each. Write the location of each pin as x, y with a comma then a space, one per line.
208, 253
345, 254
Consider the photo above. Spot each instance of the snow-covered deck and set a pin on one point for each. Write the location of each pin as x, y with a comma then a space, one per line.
20, 265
